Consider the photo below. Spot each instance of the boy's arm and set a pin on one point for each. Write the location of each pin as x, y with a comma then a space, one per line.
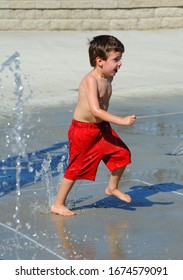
93, 100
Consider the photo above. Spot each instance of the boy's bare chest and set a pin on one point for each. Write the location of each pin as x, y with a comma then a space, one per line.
104, 94
104, 89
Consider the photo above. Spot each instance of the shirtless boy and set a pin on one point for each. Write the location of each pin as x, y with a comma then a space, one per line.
91, 138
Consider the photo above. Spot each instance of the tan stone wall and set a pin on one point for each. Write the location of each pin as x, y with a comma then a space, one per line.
90, 14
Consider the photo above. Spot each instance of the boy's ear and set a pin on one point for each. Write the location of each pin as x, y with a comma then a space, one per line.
99, 61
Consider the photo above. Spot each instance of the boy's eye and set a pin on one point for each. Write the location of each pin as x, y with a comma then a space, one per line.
117, 59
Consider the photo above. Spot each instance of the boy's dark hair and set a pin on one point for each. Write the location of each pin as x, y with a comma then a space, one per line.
101, 45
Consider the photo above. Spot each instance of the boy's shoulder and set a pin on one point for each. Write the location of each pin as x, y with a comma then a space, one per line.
90, 75
89, 78
92, 80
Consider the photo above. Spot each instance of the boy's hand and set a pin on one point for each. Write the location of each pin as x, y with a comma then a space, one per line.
128, 120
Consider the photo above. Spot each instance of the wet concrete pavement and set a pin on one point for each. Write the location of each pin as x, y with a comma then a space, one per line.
150, 227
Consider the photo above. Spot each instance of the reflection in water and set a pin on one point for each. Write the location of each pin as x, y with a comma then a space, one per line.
114, 238
72, 248
108, 246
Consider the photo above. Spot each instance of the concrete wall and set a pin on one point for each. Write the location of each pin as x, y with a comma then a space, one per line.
90, 14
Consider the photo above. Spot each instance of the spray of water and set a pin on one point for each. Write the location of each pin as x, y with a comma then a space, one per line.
16, 141
45, 175
15, 137
33, 241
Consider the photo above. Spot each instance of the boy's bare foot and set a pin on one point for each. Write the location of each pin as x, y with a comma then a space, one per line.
116, 192
62, 210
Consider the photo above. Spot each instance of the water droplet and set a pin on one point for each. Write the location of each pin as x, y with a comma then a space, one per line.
18, 192
31, 169
3, 167
5, 184
28, 226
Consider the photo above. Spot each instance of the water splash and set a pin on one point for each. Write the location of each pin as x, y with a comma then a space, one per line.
33, 241
46, 171
16, 143
15, 137
45, 175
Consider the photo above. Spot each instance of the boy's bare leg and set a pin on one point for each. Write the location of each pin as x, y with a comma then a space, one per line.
112, 188
58, 207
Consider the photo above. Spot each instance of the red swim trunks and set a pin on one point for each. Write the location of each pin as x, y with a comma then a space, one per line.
89, 143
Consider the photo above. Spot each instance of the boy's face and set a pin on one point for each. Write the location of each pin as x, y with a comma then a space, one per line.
113, 63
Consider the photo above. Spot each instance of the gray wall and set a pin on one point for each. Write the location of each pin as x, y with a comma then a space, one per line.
90, 14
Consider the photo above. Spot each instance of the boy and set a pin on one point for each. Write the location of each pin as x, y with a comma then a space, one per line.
91, 138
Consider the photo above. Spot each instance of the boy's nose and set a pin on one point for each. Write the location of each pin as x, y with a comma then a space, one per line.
120, 63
